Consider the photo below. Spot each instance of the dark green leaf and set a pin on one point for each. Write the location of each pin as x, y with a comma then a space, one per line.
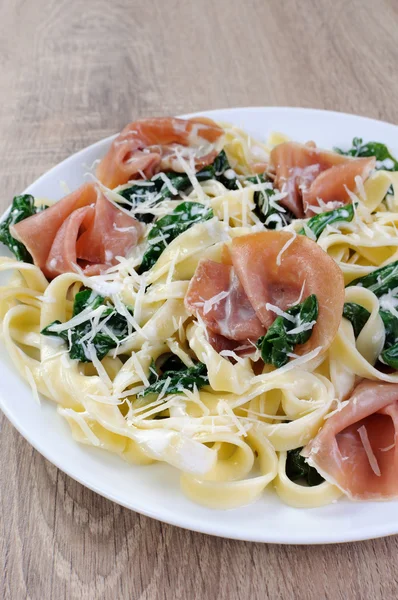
381, 281
156, 190
390, 356
223, 172
384, 158
319, 222
278, 343
171, 226
391, 327
297, 468
357, 315
178, 381
102, 342
269, 212
22, 207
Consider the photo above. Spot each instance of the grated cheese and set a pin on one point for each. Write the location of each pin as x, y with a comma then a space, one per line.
208, 304
285, 247
363, 434
139, 369
281, 313
98, 365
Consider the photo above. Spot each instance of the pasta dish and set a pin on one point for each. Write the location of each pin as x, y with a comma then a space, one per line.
224, 305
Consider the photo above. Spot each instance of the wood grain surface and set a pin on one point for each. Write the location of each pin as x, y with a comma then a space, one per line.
73, 72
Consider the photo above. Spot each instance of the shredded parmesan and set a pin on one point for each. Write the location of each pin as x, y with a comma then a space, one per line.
285, 247
363, 434
208, 304
281, 313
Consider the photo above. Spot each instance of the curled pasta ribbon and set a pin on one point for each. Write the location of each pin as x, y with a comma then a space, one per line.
223, 375
235, 207
243, 151
301, 496
306, 398
230, 491
359, 358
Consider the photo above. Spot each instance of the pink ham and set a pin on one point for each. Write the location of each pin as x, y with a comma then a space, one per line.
276, 268
83, 230
38, 232
111, 233
62, 257
148, 146
270, 272
356, 447
216, 294
333, 184
299, 167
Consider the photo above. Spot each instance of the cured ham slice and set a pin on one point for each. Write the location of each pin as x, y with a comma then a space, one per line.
111, 233
216, 294
276, 268
38, 232
148, 146
62, 257
83, 226
298, 167
356, 447
333, 184
269, 272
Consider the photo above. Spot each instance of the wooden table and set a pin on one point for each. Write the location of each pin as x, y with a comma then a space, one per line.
73, 72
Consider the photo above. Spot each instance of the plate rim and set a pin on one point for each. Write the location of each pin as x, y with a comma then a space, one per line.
181, 520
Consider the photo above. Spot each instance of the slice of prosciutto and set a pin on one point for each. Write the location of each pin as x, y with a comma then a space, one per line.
216, 294
356, 447
149, 145
83, 230
263, 274
305, 174
278, 269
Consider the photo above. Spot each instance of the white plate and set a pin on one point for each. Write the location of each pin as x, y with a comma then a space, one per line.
154, 490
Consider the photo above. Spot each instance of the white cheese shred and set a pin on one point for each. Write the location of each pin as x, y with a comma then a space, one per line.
363, 434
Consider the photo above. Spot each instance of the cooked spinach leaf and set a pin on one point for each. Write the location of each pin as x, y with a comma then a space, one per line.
279, 342
171, 226
22, 207
268, 210
298, 468
357, 315
112, 328
319, 222
164, 186
175, 381
384, 159
381, 281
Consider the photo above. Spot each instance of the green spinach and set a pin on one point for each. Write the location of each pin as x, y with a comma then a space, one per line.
298, 468
381, 281
157, 189
172, 381
278, 343
268, 210
171, 226
384, 159
357, 315
318, 223
79, 337
22, 207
